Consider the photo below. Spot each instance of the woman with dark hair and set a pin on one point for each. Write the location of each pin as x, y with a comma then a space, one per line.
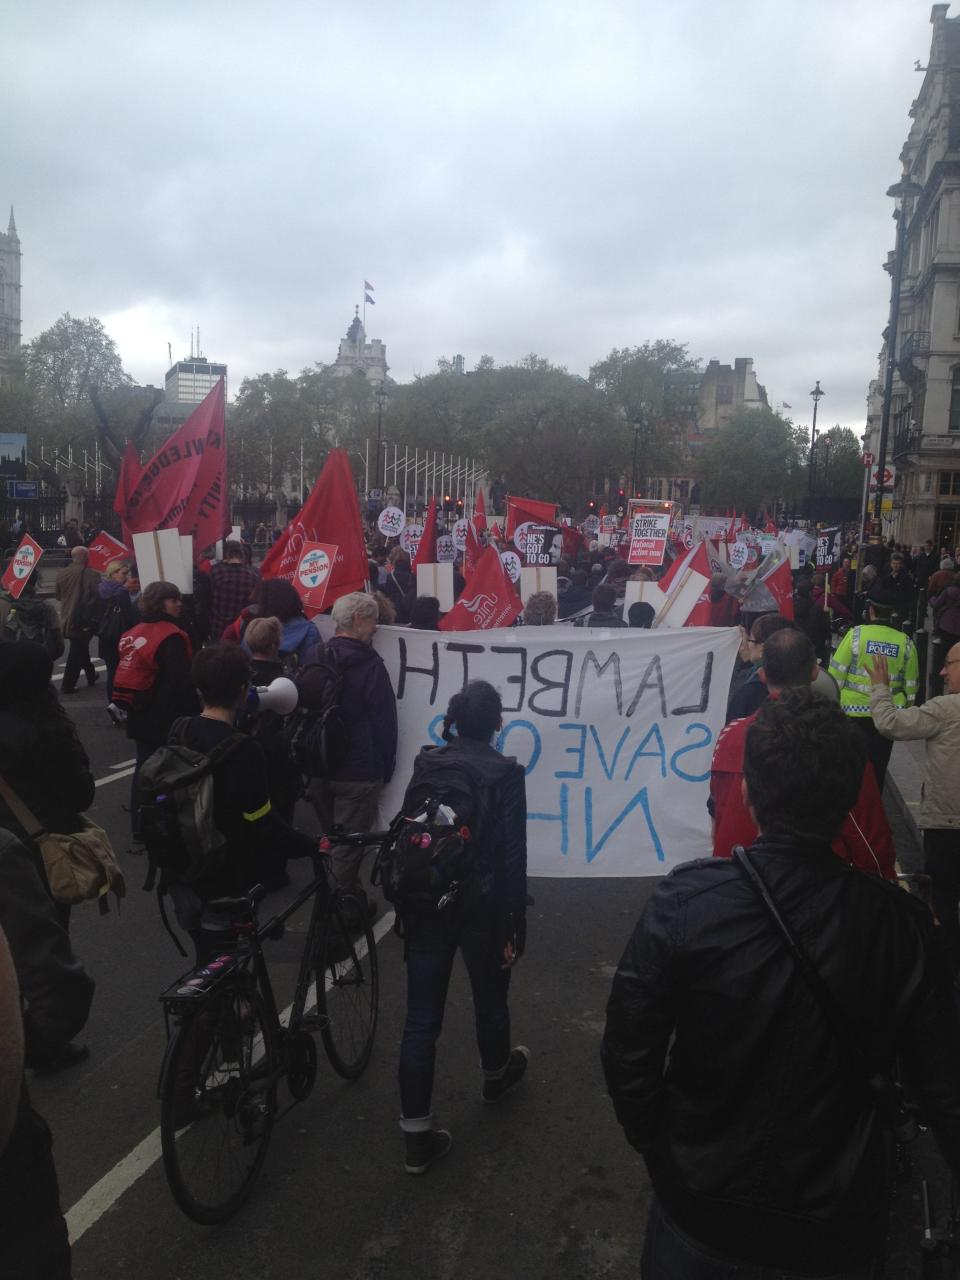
152, 682
487, 923
278, 598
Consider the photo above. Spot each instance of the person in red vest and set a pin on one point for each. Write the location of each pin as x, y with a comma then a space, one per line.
153, 684
865, 839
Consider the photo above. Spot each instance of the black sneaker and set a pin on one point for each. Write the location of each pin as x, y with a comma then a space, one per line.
494, 1087
425, 1148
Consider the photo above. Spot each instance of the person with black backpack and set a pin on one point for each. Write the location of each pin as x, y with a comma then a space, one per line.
213, 841
28, 617
466, 804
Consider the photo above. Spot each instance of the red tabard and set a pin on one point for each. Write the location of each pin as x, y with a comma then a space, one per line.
137, 668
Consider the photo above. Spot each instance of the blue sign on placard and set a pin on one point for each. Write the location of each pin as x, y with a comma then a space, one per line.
23, 489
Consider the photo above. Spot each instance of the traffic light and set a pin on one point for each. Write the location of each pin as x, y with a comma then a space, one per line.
622, 503
447, 504
592, 506
459, 507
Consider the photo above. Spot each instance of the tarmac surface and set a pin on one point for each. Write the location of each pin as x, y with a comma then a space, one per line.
542, 1185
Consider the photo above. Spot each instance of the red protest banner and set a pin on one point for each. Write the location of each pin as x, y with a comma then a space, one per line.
490, 600
184, 486
313, 574
330, 515
105, 548
18, 571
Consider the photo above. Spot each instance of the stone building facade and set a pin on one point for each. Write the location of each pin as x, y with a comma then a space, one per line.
924, 436
357, 355
9, 299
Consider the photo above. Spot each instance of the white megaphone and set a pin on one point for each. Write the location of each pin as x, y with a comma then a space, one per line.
279, 695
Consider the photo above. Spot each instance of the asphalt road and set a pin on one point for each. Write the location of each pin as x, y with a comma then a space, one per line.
541, 1186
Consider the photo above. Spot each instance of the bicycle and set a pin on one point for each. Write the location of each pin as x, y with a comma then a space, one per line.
228, 1051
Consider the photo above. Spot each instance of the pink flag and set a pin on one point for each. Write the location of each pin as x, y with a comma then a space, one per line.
479, 512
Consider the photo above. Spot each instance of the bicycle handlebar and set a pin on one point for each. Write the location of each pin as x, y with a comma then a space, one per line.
354, 839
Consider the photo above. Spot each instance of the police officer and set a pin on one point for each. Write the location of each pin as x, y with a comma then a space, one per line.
850, 667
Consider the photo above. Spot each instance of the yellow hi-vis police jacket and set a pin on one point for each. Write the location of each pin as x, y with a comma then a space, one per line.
850, 666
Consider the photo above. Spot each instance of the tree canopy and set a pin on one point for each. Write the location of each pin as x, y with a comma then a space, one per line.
755, 460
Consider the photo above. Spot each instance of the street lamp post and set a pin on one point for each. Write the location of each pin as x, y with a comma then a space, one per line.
639, 427
381, 397
903, 190
817, 395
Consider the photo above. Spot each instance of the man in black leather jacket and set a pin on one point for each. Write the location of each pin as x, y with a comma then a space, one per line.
761, 1138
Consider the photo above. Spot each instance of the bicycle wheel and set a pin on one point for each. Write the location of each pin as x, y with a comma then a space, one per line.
348, 986
218, 1102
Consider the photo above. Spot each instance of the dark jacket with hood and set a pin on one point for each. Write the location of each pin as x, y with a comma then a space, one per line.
762, 1140
369, 709
501, 833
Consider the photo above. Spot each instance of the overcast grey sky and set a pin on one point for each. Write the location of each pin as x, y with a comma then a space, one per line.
552, 177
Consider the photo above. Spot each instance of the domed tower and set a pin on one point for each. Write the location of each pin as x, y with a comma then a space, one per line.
357, 355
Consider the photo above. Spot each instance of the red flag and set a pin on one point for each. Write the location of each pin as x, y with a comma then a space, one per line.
780, 585
331, 515
427, 549
472, 552
744, 522
521, 510
18, 571
479, 512
769, 526
129, 471
184, 486
105, 548
496, 532
490, 600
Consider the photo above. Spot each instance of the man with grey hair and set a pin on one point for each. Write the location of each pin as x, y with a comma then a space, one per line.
76, 590
347, 794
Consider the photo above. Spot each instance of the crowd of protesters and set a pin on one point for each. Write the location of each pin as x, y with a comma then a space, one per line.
236, 630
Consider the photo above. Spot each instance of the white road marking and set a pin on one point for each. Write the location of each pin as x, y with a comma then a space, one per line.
115, 777
97, 666
122, 764
103, 1195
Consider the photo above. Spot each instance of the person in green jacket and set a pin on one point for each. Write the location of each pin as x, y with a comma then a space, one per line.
850, 667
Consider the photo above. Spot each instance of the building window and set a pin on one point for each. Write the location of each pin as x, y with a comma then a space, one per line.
724, 393
954, 423
949, 484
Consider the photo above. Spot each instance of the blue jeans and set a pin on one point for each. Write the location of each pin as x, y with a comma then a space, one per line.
431, 946
669, 1254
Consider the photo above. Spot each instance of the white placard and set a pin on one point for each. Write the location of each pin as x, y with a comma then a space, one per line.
511, 562
436, 580
534, 578
460, 531
410, 538
520, 535
446, 551
391, 521
591, 526
616, 733
160, 559
186, 553
648, 592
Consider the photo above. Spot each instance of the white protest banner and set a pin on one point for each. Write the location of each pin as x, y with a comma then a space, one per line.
608, 523
390, 521
460, 531
410, 538
615, 733
713, 527
511, 562
648, 538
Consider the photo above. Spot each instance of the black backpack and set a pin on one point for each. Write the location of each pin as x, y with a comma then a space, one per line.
29, 620
317, 732
433, 855
176, 809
